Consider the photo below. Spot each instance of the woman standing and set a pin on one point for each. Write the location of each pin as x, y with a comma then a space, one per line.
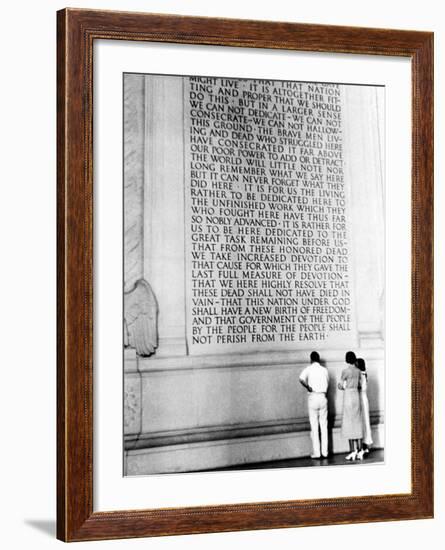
367, 440
352, 425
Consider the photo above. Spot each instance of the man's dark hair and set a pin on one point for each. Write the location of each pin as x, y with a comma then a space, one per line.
350, 357
361, 364
315, 358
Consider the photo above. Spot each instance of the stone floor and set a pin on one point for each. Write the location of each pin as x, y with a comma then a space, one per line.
375, 456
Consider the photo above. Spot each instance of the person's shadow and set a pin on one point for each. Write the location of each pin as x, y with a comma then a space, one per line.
47, 526
332, 408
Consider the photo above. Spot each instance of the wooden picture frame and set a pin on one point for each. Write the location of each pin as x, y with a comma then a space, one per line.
76, 32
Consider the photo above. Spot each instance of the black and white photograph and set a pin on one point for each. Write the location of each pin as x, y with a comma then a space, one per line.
253, 274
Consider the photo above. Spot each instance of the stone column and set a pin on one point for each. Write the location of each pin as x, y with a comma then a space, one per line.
133, 178
163, 254
364, 174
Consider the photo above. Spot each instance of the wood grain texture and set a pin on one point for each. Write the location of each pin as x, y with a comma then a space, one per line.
77, 29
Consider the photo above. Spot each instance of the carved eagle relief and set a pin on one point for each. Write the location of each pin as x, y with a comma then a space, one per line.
141, 319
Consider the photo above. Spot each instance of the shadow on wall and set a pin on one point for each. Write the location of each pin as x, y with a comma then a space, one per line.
46, 526
332, 407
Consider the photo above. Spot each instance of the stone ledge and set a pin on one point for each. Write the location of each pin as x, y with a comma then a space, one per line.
232, 431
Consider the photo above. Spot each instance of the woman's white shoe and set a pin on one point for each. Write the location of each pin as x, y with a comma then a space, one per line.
351, 456
360, 455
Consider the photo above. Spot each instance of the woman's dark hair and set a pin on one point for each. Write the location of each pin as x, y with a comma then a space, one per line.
315, 357
350, 357
361, 364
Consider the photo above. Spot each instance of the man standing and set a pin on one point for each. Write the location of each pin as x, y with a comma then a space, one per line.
315, 379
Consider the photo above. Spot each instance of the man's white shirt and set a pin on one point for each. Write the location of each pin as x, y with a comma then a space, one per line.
316, 376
